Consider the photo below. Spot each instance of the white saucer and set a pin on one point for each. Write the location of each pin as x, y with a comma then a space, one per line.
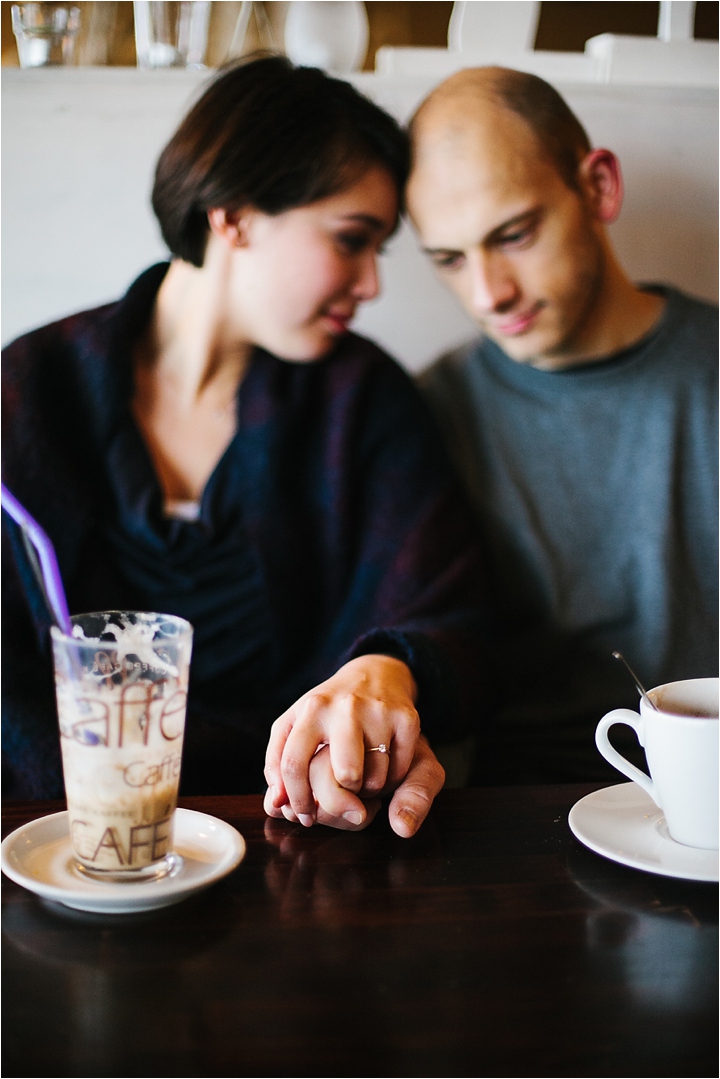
623, 823
39, 857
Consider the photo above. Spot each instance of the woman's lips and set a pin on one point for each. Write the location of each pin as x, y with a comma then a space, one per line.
339, 323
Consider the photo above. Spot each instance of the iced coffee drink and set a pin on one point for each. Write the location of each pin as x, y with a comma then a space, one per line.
121, 683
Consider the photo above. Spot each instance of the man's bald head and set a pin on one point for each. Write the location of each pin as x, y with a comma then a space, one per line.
469, 103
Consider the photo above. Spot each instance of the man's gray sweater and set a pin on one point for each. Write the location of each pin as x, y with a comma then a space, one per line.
596, 494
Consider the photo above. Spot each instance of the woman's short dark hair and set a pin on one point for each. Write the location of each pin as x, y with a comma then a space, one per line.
273, 136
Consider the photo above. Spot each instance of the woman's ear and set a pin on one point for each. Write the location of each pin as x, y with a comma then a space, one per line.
601, 182
231, 226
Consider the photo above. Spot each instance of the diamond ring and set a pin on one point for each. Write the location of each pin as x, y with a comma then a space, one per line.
382, 748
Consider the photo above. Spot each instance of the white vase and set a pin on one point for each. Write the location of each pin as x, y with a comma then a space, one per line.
493, 25
325, 34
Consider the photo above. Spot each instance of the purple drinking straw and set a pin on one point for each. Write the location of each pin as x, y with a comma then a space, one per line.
41, 543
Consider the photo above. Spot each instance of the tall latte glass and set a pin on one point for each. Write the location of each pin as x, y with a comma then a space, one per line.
121, 681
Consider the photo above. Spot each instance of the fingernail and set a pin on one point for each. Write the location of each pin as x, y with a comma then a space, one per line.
409, 818
306, 820
353, 816
272, 795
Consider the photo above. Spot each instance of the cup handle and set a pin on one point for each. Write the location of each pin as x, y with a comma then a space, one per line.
631, 719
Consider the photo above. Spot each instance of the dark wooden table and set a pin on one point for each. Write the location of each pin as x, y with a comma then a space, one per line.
492, 944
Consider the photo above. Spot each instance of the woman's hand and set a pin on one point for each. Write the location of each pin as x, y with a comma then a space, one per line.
369, 702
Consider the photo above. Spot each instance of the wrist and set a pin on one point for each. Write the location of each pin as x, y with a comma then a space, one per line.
389, 668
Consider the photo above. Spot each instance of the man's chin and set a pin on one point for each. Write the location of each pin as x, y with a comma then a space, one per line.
520, 348
543, 348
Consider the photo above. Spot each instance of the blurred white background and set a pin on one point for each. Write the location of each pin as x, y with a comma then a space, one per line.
80, 144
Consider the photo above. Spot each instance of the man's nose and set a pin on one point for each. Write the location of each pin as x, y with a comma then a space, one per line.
492, 284
367, 281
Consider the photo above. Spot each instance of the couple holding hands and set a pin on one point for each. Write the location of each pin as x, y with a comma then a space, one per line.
219, 445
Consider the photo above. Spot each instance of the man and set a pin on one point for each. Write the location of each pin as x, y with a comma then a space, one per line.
584, 421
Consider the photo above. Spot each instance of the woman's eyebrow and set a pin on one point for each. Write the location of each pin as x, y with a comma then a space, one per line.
366, 219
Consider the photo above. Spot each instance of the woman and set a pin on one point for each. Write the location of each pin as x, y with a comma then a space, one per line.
217, 445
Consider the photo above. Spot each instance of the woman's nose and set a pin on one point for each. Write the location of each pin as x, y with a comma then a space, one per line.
367, 282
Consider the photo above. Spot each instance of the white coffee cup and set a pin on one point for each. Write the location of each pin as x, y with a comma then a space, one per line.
680, 738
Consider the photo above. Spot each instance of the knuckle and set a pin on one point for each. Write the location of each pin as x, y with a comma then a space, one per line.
294, 768
419, 794
406, 718
312, 706
351, 701
373, 784
412, 717
347, 777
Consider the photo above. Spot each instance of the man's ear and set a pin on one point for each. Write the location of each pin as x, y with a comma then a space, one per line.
601, 182
230, 225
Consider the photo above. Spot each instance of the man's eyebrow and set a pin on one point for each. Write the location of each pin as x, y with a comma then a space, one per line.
441, 251
494, 235
511, 223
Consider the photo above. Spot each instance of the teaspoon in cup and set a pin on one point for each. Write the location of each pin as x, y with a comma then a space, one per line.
640, 688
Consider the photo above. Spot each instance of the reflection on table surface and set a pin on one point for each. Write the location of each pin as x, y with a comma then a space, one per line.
492, 943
